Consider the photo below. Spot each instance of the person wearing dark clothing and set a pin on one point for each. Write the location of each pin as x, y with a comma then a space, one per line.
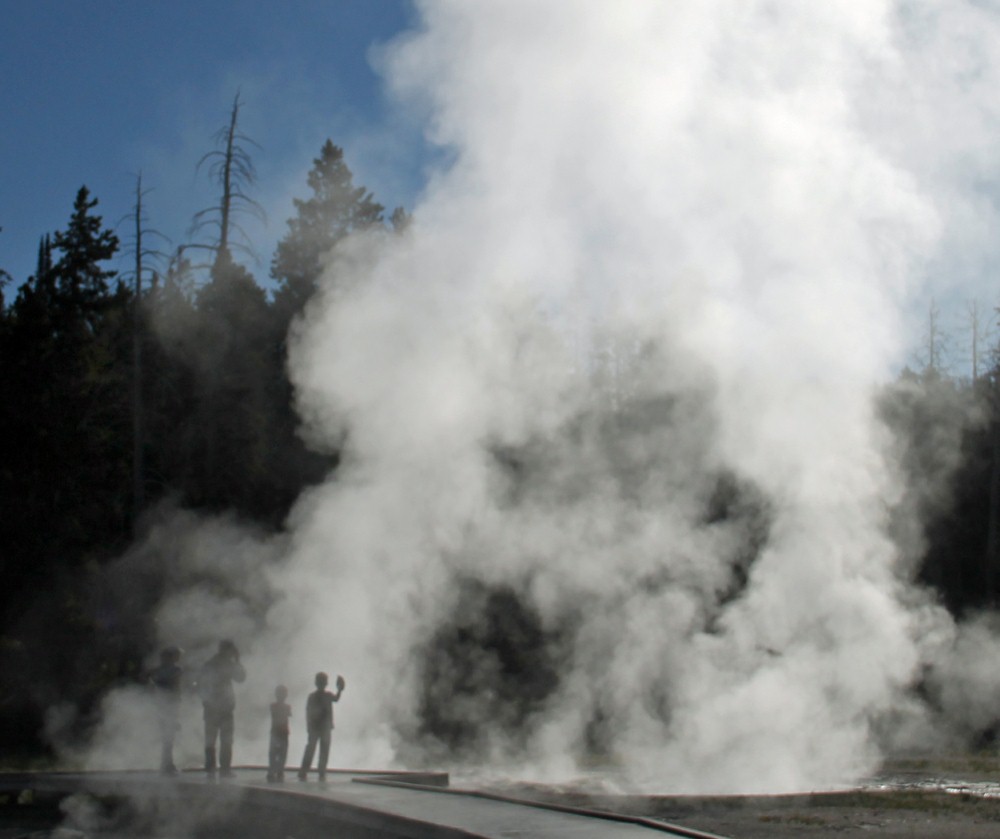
319, 724
277, 755
166, 682
215, 686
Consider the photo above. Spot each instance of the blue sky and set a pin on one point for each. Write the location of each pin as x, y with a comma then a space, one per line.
96, 91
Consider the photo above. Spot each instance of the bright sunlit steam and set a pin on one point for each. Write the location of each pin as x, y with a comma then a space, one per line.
608, 402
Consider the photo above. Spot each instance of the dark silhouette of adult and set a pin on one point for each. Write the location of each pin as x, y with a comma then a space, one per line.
319, 724
215, 686
166, 680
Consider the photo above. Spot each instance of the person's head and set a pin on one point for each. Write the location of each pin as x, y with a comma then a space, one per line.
228, 649
322, 680
170, 655
281, 693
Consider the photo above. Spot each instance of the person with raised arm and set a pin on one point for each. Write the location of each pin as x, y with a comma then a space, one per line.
319, 724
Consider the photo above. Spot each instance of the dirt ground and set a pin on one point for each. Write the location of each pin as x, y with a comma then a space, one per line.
944, 798
914, 815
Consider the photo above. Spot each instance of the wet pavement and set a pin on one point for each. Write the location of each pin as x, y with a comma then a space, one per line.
474, 814
362, 803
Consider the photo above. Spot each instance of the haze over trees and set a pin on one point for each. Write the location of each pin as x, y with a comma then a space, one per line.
217, 430
214, 404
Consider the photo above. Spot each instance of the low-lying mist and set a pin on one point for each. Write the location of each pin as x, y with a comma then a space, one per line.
615, 493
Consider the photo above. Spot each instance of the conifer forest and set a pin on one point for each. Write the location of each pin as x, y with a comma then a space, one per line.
126, 389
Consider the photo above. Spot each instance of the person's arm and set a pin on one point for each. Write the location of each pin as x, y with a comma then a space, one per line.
341, 684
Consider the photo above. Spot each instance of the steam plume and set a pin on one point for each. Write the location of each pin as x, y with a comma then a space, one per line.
607, 406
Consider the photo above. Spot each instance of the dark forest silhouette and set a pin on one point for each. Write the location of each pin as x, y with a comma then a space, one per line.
119, 392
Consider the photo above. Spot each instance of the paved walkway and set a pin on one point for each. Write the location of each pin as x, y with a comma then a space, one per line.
480, 816
376, 804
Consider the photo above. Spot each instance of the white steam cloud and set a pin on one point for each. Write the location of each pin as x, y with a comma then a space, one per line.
663, 277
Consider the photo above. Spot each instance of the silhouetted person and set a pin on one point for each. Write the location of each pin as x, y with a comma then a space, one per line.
277, 755
166, 679
215, 686
319, 724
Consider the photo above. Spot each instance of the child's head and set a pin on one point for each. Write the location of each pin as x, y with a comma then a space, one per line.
322, 680
281, 693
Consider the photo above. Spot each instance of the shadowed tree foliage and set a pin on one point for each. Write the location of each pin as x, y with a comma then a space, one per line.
63, 355
169, 350
233, 405
336, 209
221, 340
217, 428
65, 351
942, 436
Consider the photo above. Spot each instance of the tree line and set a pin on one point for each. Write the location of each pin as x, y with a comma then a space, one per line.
122, 389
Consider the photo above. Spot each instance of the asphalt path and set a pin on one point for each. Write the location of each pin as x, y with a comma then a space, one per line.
417, 806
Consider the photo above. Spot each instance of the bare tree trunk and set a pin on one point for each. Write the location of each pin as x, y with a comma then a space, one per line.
227, 178
138, 483
991, 562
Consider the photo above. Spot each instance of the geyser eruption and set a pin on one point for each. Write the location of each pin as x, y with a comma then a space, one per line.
607, 378
613, 484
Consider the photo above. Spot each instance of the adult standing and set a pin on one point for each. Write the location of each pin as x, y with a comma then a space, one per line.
166, 680
215, 686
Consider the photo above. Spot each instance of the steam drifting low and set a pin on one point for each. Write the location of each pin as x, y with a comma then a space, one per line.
614, 487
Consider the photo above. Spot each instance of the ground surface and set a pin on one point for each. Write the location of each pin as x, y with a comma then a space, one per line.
954, 798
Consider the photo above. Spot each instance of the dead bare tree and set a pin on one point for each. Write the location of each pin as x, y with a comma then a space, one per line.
979, 336
935, 341
141, 253
232, 168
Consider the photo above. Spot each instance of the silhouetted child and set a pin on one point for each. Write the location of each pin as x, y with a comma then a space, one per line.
319, 724
278, 752
166, 679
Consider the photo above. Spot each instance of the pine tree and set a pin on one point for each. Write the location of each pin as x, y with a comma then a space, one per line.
65, 355
81, 280
336, 209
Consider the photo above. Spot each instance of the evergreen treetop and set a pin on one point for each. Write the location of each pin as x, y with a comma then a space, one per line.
336, 209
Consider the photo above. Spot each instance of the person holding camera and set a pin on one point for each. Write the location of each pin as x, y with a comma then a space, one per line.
215, 686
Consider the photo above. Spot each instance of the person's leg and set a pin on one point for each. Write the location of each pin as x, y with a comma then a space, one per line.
211, 733
226, 727
167, 754
272, 757
282, 755
324, 753
168, 730
307, 756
